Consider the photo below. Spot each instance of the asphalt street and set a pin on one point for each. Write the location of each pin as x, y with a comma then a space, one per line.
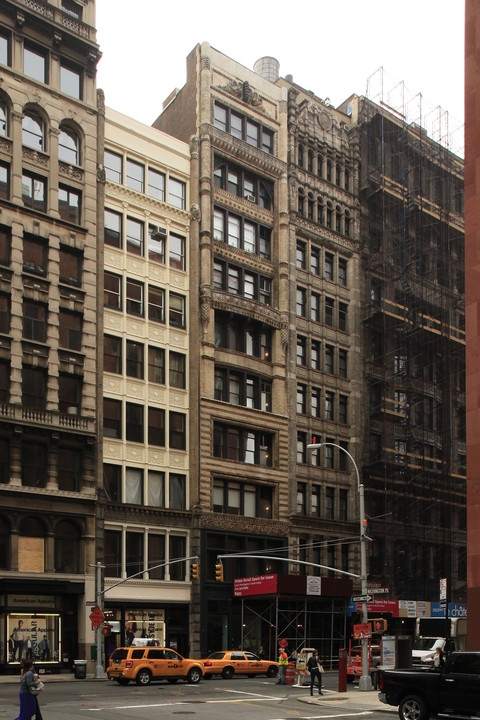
66, 698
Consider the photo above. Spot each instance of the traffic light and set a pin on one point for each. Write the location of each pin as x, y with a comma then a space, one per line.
379, 626
219, 572
194, 571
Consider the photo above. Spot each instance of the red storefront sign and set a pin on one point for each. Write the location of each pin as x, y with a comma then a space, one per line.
256, 585
379, 606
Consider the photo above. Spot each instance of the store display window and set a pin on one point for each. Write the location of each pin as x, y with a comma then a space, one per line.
35, 637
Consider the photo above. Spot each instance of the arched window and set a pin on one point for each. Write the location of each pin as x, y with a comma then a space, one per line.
310, 161
33, 131
319, 165
329, 170
338, 219
4, 544
348, 223
329, 215
31, 545
320, 217
68, 146
67, 547
310, 206
3, 119
347, 179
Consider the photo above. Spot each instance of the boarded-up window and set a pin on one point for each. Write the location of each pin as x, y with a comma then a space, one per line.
31, 554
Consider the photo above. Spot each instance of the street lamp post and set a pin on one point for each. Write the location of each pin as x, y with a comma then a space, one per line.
365, 682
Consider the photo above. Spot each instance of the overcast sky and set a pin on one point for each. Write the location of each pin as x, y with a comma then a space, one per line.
330, 47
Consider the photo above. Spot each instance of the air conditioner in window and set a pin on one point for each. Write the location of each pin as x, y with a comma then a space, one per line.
158, 231
252, 198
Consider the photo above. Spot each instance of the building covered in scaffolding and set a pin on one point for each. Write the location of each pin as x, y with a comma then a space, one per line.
412, 245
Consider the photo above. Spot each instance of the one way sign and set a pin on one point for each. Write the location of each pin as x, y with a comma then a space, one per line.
362, 598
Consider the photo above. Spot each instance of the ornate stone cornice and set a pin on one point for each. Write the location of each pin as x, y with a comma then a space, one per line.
142, 202
319, 233
250, 308
245, 153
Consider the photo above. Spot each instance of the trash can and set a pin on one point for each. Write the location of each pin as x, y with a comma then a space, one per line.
80, 669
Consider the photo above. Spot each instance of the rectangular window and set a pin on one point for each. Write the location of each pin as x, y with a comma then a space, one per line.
329, 308
34, 387
343, 457
35, 63
134, 359
134, 297
329, 359
342, 316
4, 179
156, 244
70, 330
301, 448
315, 307
69, 393
112, 418
134, 175
315, 402
70, 80
219, 225
156, 427
178, 431
156, 304
343, 505
177, 373
156, 365
156, 490
5, 245
134, 422
113, 165
69, 469
342, 271
301, 350
329, 455
315, 261
112, 354
177, 491
112, 293
112, 482
73, 9
34, 192
135, 236
301, 303
329, 405
342, 363
301, 255
4, 48
34, 256
156, 184
69, 204
34, 321
177, 193
70, 267
134, 543
301, 399
315, 509
328, 266
315, 355
34, 462
156, 551
301, 498
112, 233
330, 503
176, 310
176, 255
113, 553
342, 409
4, 313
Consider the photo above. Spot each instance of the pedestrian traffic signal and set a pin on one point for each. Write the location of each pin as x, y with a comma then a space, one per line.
379, 626
219, 572
194, 571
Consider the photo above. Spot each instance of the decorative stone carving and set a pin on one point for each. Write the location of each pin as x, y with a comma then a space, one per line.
195, 212
284, 338
205, 307
324, 119
244, 92
101, 174
205, 63
194, 146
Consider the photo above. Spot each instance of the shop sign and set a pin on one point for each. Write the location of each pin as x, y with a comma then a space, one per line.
362, 630
410, 606
256, 585
43, 601
379, 606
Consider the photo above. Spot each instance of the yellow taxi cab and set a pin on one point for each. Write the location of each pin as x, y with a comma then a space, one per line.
144, 664
237, 662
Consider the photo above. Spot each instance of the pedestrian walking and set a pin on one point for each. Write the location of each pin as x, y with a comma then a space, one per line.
28, 702
282, 664
316, 670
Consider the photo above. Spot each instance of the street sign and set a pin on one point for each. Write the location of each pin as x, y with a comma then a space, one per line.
362, 598
283, 643
363, 630
97, 617
90, 603
378, 591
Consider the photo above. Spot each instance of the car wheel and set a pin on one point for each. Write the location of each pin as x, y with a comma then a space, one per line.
172, 681
144, 677
227, 673
413, 707
122, 681
194, 675
272, 671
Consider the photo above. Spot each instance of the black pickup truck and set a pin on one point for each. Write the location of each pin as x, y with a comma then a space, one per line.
452, 692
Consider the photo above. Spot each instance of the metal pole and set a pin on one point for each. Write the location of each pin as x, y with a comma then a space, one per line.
99, 671
365, 682
241, 633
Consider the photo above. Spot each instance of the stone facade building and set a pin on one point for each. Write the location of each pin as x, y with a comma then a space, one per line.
48, 320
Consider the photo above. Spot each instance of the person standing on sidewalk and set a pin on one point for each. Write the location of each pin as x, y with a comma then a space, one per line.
314, 666
282, 664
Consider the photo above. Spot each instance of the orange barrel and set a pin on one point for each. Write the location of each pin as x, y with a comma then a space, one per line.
290, 673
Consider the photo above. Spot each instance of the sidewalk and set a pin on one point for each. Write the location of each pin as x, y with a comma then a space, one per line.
53, 678
353, 696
